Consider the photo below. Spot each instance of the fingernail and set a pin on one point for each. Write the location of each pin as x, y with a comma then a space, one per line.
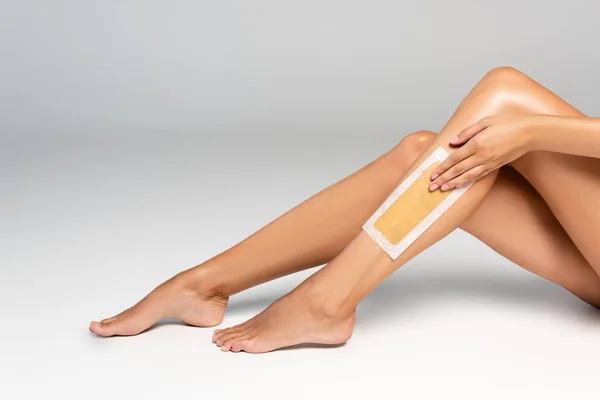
454, 139
433, 176
445, 187
433, 186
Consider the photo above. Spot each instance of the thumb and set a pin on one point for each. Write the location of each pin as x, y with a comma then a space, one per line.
468, 133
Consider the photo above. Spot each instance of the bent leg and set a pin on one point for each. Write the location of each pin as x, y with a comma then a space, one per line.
515, 221
569, 184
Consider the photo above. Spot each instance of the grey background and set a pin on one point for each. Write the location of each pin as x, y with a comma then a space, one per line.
128, 130
276, 68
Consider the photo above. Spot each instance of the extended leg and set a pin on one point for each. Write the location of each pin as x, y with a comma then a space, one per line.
306, 236
324, 304
309, 235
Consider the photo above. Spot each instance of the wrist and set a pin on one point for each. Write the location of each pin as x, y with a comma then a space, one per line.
530, 132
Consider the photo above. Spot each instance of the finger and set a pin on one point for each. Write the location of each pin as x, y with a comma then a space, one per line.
468, 177
459, 155
453, 172
471, 131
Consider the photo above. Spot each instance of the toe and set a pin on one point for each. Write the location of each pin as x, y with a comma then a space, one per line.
248, 346
100, 328
114, 317
216, 334
245, 345
240, 334
226, 346
119, 315
94, 326
232, 338
117, 327
137, 320
256, 343
111, 319
237, 345
223, 336
244, 341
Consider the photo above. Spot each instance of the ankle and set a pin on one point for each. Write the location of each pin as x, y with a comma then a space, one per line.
202, 280
327, 305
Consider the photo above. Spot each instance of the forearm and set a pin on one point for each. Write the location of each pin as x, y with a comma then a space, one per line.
568, 135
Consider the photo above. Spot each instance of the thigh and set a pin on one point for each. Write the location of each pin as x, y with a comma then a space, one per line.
517, 223
570, 185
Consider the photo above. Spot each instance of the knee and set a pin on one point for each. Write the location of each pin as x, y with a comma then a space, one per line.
504, 75
411, 145
504, 88
414, 143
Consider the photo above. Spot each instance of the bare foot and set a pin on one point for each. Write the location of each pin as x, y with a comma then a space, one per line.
182, 296
294, 319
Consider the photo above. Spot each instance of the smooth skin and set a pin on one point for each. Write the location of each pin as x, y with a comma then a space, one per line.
502, 209
496, 141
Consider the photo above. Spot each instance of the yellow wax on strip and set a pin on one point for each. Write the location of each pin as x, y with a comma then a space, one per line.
410, 208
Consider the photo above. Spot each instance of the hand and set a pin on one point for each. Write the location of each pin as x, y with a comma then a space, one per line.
486, 146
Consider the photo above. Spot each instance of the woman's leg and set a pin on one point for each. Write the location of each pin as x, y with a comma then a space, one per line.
321, 309
309, 235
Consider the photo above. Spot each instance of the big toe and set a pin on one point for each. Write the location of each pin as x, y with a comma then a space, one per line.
102, 329
129, 323
120, 327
